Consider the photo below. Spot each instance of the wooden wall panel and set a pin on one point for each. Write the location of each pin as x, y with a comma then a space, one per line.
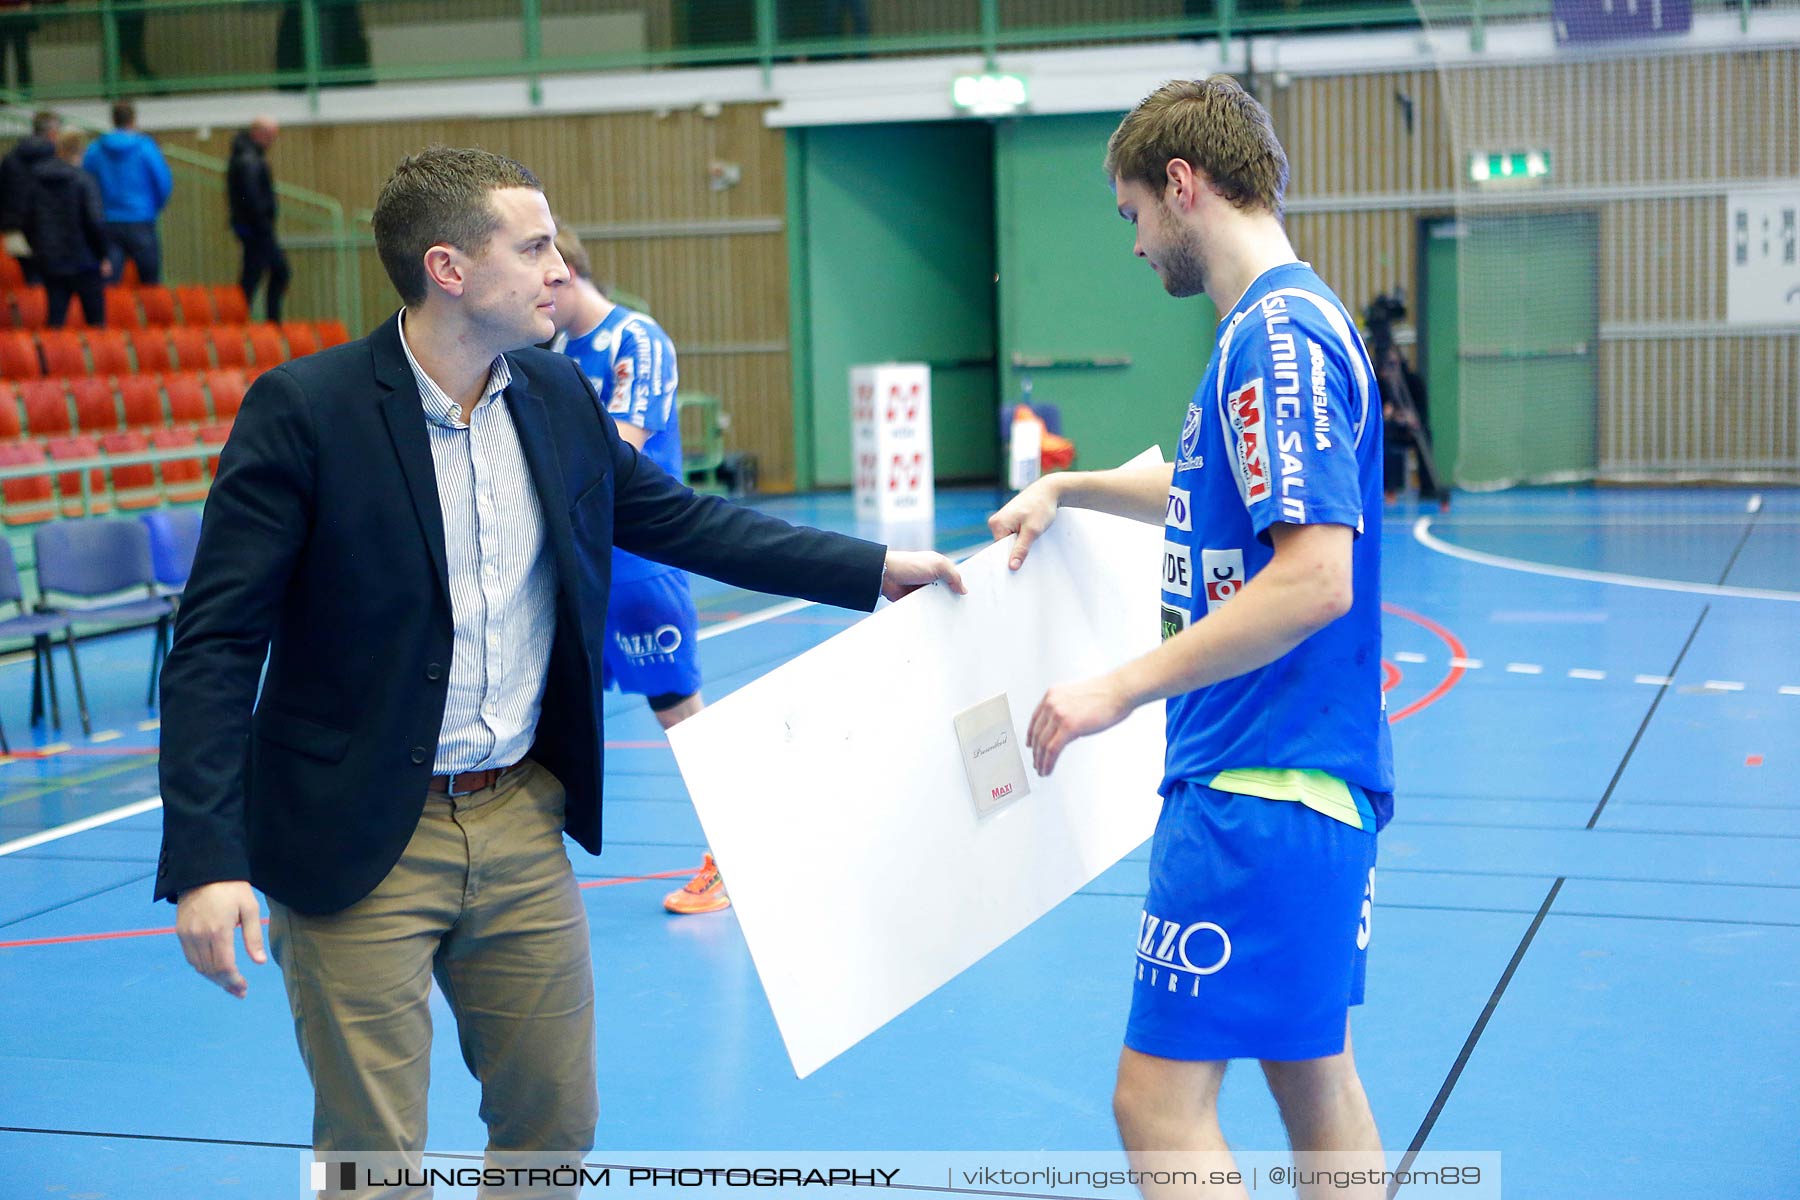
722, 296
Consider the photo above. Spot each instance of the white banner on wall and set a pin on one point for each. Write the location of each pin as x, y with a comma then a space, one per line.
1762, 258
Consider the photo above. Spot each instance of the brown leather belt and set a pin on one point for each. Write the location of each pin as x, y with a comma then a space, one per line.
464, 782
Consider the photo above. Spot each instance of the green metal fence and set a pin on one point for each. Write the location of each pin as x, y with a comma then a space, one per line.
111, 48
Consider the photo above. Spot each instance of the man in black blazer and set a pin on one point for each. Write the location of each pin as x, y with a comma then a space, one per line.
416, 530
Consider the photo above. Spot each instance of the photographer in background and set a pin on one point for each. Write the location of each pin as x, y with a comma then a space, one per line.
1405, 411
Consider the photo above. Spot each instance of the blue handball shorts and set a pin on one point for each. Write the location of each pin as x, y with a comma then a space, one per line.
651, 643
1255, 932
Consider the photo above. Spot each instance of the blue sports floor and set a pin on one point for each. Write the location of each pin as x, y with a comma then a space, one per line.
1586, 946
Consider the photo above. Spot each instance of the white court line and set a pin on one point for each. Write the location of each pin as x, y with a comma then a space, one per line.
1655, 680
1723, 685
1790, 690
1585, 673
794, 606
1755, 505
1407, 656
1423, 535
86, 823
1467, 664
1524, 668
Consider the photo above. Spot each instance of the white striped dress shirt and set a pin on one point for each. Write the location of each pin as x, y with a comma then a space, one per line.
502, 586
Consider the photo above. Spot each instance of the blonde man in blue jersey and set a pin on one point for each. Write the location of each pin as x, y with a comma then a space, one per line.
1279, 772
652, 647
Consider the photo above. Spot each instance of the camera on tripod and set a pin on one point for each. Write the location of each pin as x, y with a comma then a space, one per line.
1379, 317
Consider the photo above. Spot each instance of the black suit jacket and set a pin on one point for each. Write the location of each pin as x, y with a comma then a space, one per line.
323, 549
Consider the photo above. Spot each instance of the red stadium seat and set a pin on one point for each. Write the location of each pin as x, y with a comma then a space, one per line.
68, 484
229, 303
96, 411
228, 345
158, 304
183, 479
141, 397
332, 333
227, 388
187, 403
122, 308
46, 408
190, 344
32, 306
301, 340
27, 501
266, 347
128, 274
62, 351
151, 349
18, 356
107, 349
196, 305
12, 275
11, 427
133, 485
215, 435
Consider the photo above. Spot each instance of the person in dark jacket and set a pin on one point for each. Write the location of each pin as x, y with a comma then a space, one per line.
134, 186
250, 188
15, 186
67, 231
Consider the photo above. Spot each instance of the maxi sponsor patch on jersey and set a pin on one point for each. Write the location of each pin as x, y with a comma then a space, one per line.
1244, 409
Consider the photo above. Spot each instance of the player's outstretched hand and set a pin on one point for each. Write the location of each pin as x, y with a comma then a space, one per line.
1027, 514
1069, 711
910, 570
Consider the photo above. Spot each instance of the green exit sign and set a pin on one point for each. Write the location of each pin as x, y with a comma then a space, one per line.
1509, 167
989, 95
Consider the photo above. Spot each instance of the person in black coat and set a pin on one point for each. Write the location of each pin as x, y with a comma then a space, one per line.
15, 185
66, 227
250, 189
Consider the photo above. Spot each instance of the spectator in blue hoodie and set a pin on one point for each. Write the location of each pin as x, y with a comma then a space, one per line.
134, 186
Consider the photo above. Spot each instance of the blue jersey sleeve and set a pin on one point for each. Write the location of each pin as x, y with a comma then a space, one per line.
1294, 396
644, 377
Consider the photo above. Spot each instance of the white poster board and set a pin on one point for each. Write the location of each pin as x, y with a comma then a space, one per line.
834, 796
890, 443
1762, 258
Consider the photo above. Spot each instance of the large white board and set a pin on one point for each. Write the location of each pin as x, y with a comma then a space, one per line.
833, 793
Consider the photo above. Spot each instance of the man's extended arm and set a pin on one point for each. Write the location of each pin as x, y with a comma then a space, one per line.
1140, 492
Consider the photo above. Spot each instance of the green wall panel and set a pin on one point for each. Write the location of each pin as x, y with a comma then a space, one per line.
1071, 289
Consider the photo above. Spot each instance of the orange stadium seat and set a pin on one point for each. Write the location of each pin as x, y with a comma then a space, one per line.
301, 340
96, 411
107, 349
183, 479
12, 275
30, 500
228, 345
141, 397
10, 425
196, 304
187, 403
229, 303
332, 333
134, 485
46, 408
62, 351
158, 303
122, 308
227, 388
190, 343
32, 307
18, 356
68, 484
266, 347
151, 349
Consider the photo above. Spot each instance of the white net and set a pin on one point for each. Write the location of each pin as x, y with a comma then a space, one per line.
1626, 300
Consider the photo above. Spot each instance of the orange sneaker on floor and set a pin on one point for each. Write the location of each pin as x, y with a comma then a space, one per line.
704, 893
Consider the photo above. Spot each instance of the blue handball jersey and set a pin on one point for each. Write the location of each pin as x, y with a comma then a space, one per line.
631, 363
1285, 427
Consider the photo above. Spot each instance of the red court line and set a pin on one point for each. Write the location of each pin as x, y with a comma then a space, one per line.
1390, 676
115, 935
1450, 640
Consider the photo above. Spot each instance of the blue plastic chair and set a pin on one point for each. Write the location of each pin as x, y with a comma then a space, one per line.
174, 536
38, 627
87, 571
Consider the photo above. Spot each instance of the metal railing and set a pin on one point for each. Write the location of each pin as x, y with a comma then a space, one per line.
112, 48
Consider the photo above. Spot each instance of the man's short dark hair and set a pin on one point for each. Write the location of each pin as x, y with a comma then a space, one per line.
440, 196
1217, 128
43, 121
124, 115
